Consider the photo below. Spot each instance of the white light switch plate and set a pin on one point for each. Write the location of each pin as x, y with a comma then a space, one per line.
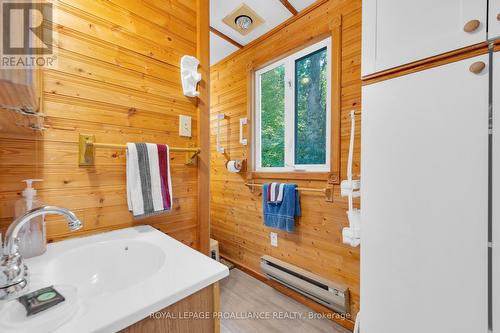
185, 126
274, 239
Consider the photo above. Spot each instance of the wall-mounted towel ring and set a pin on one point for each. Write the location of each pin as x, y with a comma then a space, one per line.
243, 121
220, 117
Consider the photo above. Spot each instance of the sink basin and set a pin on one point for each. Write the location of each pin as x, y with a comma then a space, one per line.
118, 277
106, 267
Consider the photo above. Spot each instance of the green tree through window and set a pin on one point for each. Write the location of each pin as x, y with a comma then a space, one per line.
293, 112
273, 117
310, 108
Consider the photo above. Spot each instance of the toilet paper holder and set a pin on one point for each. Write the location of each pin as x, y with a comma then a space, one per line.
239, 165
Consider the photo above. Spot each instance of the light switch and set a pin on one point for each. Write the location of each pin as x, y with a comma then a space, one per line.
185, 126
274, 239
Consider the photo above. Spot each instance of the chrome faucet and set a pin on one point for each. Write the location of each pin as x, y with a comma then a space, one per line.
13, 271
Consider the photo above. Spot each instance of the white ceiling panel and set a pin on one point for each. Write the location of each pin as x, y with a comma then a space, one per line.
272, 11
219, 48
301, 4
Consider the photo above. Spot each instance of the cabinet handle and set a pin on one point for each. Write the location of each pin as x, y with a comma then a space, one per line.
498, 17
472, 25
477, 67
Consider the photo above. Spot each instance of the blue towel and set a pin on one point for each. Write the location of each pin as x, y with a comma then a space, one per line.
281, 215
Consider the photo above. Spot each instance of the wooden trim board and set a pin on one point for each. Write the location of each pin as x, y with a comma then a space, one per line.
216, 306
495, 45
326, 176
225, 37
336, 102
417, 66
289, 6
203, 55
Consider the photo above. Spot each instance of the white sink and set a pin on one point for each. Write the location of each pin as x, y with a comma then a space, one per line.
117, 278
106, 267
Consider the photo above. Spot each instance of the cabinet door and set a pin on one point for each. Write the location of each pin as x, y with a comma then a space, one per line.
397, 32
494, 19
425, 202
496, 193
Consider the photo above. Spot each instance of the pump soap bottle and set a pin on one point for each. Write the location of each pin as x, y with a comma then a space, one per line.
32, 237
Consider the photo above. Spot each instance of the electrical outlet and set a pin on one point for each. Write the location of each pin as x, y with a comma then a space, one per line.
185, 126
274, 239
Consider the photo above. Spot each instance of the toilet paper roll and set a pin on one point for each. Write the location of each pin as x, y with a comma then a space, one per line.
234, 166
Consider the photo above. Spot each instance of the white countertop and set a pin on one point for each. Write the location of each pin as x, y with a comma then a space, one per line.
179, 271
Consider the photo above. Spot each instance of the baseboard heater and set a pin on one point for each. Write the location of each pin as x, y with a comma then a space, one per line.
323, 291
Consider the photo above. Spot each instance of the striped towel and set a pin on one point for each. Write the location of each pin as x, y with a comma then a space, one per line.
275, 193
149, 186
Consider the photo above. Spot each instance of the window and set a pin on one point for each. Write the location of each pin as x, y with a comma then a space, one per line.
292, 113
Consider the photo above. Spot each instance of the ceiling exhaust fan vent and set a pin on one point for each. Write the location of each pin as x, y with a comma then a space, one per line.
243, 19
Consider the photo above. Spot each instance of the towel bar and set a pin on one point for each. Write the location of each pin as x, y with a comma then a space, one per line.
328, 191
87, 147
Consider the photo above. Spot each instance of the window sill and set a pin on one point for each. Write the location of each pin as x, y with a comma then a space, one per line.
330, 177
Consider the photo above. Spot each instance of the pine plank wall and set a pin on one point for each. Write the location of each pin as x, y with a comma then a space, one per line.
236, 212
117, 78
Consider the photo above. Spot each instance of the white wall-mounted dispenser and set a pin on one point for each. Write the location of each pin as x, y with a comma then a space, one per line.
189, 75
350, 188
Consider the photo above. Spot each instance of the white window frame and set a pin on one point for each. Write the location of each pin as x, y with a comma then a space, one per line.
289, 63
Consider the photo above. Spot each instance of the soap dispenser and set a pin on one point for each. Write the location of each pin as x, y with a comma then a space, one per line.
32, 237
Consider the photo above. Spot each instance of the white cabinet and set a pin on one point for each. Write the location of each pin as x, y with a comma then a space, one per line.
494, 19
424, 211
397, 32
496, 193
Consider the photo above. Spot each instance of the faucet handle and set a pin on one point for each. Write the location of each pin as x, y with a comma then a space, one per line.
16, 241
5, 246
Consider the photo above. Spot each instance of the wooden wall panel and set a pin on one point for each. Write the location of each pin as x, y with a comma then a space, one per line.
202, 302
236, 212
118, 77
